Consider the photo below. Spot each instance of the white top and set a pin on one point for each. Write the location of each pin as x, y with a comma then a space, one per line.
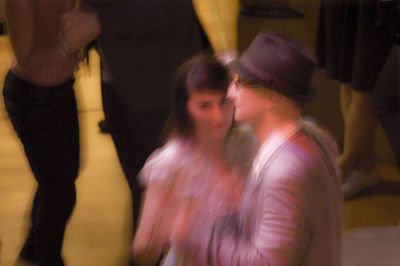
182, 168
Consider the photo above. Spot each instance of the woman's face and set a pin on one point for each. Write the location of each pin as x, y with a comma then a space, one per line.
211, 113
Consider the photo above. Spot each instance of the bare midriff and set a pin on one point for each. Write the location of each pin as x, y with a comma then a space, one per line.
38, 57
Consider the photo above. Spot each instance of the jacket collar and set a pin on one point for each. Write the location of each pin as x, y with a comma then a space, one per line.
272, 144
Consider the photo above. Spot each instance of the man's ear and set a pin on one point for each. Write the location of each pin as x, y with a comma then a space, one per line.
272, 99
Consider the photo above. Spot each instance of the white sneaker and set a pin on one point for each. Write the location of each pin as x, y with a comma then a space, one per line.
358, 181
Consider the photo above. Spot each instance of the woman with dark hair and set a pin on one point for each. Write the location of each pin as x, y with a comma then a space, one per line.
205, 158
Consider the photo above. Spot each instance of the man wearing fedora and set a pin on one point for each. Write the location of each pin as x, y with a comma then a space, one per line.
292, 206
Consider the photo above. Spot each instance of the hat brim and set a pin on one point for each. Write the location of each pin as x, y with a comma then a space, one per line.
236, 67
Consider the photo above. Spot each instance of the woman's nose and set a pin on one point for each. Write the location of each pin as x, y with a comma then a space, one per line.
217, 113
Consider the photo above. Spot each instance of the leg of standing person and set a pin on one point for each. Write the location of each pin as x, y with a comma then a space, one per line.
357, 160
53, 157
372, 46
135, 136
387, 100
356, 154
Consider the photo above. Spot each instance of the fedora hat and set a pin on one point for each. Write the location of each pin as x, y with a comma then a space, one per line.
280, 63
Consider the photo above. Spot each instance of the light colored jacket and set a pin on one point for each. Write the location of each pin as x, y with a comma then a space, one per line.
291, 213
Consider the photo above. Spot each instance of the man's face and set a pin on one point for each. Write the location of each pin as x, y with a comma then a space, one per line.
250, 102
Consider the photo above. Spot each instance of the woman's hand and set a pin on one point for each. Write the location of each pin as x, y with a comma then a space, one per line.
184, 215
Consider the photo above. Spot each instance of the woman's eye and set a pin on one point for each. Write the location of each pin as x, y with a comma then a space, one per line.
204, 106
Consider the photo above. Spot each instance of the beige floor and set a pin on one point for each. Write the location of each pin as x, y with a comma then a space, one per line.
98, 233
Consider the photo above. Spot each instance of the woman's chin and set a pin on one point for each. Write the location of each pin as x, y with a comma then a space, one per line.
219, 134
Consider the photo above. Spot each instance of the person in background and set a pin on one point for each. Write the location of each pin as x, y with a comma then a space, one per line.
140, 44
205, 158
40, 101
352, 45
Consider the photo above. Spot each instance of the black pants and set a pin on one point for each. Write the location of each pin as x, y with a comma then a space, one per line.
387, 100
46, 121
135, 136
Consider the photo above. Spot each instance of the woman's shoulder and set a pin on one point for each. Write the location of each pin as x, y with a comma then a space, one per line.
164, 162
170, 149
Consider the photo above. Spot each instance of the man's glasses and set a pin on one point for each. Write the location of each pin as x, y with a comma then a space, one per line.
246, 82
